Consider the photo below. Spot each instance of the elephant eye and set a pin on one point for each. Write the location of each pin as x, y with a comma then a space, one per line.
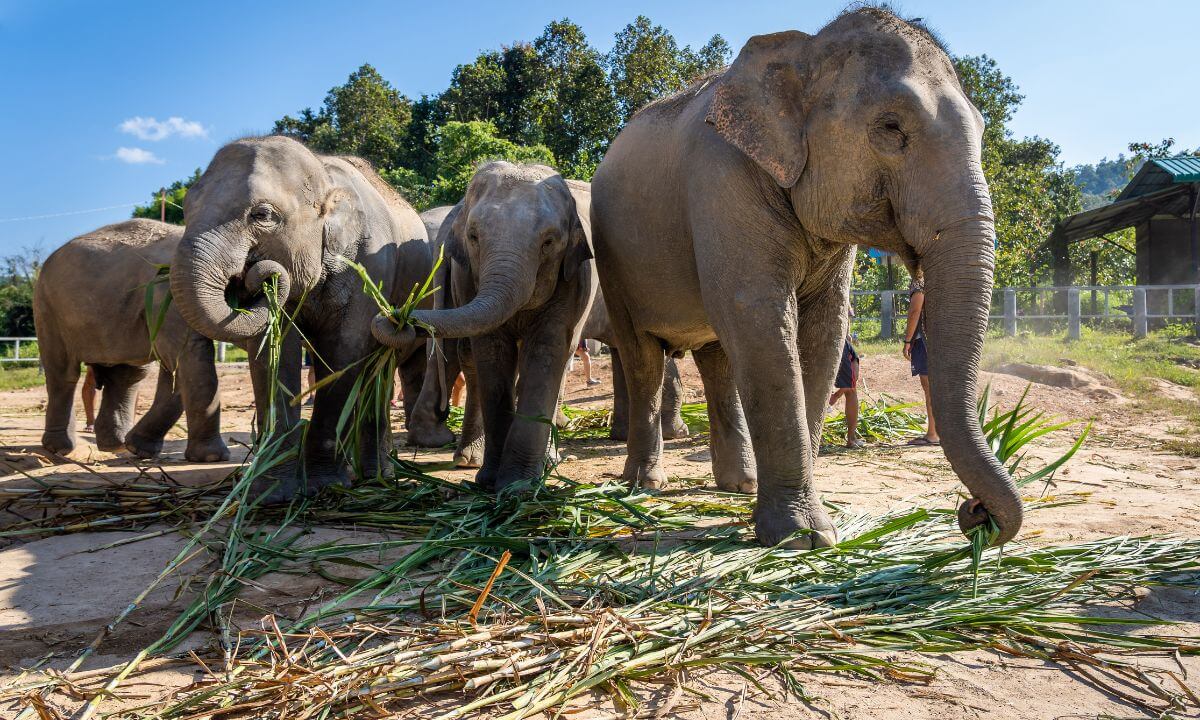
548, 241
264, 215
887, 134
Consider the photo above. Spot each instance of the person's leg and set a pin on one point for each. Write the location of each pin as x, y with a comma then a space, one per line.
460, 384
931, 433
587, 367
851, 395
88, 394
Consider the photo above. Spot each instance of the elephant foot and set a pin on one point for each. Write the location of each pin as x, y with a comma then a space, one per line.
434, 436
143, 446
209, 450
736, 482
291, 481
469, 455
774, 526
675, 428
647, 477
111, 441
514, 479
61, 443
560, 418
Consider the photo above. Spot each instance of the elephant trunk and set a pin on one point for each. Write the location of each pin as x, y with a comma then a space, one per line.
203, 267
958, 285
505, 286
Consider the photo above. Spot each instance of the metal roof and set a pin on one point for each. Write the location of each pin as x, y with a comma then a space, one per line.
1172, 199
1161, 173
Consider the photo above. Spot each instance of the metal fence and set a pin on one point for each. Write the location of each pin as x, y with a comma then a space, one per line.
25, 350
1133, 308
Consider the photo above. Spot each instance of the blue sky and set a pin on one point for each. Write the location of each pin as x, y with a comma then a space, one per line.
106, 101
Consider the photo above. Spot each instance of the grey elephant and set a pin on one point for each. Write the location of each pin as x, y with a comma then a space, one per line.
725, 219
521, 282
89, 306
269, 207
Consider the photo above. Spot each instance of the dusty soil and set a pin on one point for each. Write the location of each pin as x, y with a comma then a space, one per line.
57, 593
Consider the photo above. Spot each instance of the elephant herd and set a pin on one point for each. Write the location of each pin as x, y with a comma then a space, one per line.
721, 222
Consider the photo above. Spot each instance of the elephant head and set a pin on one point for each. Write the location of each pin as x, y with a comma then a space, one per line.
867, 129
517, 232
263, 207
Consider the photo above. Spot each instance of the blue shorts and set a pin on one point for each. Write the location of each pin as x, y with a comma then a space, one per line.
845, 374
919, 357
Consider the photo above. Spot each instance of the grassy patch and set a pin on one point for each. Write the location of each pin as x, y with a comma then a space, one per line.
19, 377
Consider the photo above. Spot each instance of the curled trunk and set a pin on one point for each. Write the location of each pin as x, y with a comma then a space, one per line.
958, 284
505, 286
203, 267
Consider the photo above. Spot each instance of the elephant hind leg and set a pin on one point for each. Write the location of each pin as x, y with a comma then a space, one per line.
117, 403
673, 426
145, 440
470, 450
642, 362
62, 376
425, 422
729, 437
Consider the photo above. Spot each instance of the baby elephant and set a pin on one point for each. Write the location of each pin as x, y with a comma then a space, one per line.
519, 249
89, 306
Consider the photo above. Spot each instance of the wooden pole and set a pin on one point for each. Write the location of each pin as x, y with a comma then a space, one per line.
162, 204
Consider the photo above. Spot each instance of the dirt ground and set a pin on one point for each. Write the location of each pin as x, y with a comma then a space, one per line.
57, 593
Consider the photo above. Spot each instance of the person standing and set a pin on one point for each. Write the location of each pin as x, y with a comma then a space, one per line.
88, 394
581, 352
846, 386
917, 354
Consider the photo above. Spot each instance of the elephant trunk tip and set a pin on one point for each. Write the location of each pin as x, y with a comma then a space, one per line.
387, 333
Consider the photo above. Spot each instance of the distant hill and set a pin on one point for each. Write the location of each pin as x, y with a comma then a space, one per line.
1101, 182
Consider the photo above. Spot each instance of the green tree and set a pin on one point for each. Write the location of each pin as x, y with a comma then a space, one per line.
461, 147
366, 116
646, 63
500, 87
577, 111
1031, 191
175, 195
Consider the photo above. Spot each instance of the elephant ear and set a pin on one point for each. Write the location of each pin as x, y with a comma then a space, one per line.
758, 106
451, 236
344, 224
579, 251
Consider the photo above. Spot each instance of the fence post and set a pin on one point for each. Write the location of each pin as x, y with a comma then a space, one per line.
1010, 312
1139, 312
1073, 313
887, 313
17, 350
220, 352
1196, 311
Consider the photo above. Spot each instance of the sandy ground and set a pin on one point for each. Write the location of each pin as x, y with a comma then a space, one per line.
56, 593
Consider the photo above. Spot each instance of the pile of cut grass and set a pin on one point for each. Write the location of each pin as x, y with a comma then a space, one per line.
526, 602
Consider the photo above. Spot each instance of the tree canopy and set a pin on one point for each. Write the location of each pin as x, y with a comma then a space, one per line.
560, 101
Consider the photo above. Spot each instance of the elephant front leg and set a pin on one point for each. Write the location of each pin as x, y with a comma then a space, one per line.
469, 452
543, 363
642, 362
757, 329
821, 328
495, 361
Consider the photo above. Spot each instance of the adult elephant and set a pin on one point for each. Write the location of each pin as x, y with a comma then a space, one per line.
270, 207
89, 306
725, 221
598, 326
521, 282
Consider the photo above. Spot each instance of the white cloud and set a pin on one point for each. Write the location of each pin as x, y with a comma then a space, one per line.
153, 130
138, 156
